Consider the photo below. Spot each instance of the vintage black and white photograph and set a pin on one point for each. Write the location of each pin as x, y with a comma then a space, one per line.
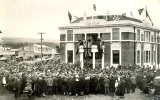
79, 50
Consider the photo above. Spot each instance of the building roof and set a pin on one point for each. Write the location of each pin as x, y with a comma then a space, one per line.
49, 44
109, 17
109, 21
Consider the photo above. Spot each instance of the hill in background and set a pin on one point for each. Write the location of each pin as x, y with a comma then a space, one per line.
29, 40
16, 43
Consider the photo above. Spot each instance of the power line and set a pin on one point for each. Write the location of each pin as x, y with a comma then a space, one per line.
12, 13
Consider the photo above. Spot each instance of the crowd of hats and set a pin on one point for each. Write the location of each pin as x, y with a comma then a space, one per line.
66, 70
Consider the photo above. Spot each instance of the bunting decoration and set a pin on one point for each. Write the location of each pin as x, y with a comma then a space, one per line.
124, 14
69, 16
94, 7
116, 17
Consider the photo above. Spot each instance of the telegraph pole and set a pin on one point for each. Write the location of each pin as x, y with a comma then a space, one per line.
41, 46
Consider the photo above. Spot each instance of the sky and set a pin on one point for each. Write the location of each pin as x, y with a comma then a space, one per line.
27, 18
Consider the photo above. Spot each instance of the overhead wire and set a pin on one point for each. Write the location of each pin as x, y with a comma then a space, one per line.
12, 13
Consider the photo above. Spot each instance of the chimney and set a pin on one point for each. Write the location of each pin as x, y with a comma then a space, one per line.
84, 16
107, 14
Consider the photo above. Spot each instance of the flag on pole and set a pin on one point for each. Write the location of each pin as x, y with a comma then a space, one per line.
75, 17
147, 15
94, 7
131, 14
144, 13
69, 16
140, 11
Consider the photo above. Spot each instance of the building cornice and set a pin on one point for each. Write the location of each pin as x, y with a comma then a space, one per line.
110, 24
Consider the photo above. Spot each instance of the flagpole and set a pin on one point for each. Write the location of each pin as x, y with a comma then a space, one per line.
94, 9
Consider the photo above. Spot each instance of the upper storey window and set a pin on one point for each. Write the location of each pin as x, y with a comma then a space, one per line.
147, 36
138, 34
115, 33
69, 35
62, 37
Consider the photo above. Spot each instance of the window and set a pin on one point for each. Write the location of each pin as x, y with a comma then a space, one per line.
138, 34
149, 36
115, 33
79, 37
127, 36
152, 38
105, 36
70, 56
146, 35
115, 56
147, 56
69, 35
62, 37
138, 56
142, 37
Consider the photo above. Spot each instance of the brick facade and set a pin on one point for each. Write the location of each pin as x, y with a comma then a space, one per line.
127, 53
62, 52
142, 55
107, 53
77, 56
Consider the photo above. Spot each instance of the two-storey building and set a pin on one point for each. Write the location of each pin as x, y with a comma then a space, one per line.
125, 41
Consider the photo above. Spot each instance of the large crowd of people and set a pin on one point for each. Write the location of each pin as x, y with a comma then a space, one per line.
48, 78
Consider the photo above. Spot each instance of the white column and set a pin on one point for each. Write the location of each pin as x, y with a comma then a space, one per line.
94, 50
81, 59
103, 57
94, 60
66, 57
81, 50
98, 35
85, 36
73, 52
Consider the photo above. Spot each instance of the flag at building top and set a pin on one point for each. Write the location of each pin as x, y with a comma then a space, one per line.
147, 15
94, 7
140, 11
144, 13
75, 17
69, 16
131, 14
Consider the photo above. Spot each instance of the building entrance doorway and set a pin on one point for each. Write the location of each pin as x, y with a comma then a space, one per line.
115, 56
70, 56
93, 37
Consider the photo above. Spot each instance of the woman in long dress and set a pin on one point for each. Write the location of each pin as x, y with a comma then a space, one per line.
121, 89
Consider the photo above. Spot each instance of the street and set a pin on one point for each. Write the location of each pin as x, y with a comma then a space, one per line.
138, 95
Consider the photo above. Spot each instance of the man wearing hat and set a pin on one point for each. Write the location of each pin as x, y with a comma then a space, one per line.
106, 85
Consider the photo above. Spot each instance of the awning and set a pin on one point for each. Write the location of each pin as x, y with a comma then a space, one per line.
3, 58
